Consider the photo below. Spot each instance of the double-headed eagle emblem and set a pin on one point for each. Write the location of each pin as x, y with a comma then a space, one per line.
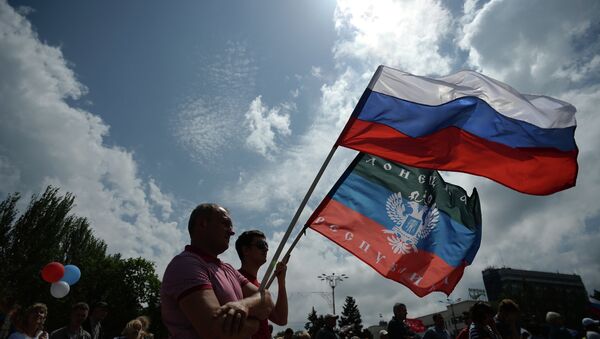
412, 220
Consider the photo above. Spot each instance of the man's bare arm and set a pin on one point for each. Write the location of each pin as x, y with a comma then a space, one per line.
279, 315
211, 320
260, 306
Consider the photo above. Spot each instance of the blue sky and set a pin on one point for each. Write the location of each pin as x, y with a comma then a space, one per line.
145, 109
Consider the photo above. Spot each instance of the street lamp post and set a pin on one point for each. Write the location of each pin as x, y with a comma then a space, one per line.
332, 279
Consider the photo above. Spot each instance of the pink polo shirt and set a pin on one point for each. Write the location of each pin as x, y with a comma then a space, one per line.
188, 272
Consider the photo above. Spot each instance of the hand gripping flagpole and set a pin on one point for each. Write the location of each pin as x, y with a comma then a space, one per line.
295, 219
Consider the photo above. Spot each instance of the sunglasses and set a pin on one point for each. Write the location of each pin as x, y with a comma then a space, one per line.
261, 245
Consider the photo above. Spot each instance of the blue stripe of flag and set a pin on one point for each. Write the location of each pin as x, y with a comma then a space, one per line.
470, 114
450, 240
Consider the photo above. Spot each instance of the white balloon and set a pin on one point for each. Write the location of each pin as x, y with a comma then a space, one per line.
59, 289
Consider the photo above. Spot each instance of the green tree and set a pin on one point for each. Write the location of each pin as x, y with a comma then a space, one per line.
315, 322
47, 231
351, 316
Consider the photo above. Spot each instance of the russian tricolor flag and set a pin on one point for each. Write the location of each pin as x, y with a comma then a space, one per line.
470, 123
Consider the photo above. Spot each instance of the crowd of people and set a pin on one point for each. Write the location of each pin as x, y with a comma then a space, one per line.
82, 323
204, 297
483, 322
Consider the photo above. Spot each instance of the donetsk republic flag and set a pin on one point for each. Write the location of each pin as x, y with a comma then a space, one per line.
406, 223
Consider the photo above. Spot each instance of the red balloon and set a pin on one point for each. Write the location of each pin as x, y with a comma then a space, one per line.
53, 272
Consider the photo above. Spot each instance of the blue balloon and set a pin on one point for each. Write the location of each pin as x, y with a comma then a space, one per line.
72, 274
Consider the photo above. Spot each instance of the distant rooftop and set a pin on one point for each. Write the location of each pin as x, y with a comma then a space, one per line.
507, 273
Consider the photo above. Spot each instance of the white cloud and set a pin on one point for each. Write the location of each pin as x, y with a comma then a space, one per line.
207, 126
545, 52
316, 72
280, 187
265, 125
206, 122
45, 140
160, 199
401, 34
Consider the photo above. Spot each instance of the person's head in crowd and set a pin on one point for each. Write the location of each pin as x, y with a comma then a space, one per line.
590, 324
400, 311
383, 334
288, 333
133, 330
145, 320
252, 248
79, 312
210, 228
481, 313
508, 310
438, 321
525, 334
31, 320
554, 319
303, 335
99, 311
330, 320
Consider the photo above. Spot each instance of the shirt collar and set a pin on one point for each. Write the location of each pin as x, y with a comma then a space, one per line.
202, 254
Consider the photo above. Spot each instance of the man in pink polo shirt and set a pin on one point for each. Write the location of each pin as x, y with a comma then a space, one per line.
203, 297
252, 249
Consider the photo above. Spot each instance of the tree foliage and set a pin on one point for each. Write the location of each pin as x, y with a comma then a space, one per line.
314, 324
351, 316
47, 231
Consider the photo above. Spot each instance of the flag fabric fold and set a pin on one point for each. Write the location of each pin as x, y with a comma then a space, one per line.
406, 223
470, 123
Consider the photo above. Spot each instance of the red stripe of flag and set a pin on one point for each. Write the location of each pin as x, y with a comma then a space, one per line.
539, 171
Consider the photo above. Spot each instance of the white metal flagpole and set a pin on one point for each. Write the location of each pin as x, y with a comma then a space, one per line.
295, 219
286, 257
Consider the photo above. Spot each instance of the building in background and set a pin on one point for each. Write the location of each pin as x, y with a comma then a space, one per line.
537, 293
